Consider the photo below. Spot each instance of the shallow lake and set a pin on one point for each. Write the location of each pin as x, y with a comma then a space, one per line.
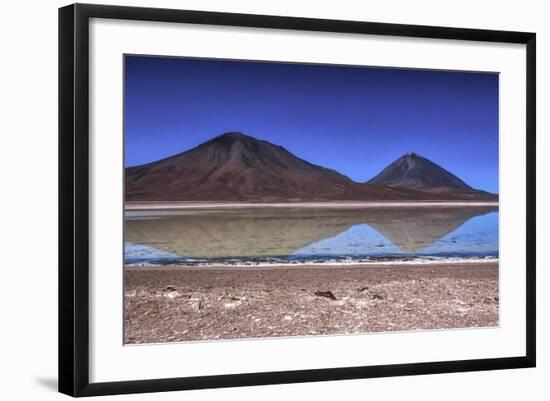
295, 235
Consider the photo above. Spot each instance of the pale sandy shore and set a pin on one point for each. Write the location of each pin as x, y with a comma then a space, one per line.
170, 304
339, 205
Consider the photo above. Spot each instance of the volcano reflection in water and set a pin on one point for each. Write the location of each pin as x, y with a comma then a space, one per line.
312, 233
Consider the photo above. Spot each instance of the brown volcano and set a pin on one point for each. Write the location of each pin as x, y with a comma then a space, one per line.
413, 171
237, 167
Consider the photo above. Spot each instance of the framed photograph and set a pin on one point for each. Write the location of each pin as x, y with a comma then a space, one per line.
250, 199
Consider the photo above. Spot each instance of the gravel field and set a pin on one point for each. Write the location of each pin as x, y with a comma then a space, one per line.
169, 304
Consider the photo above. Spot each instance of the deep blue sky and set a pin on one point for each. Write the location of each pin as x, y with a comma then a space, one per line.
355, 120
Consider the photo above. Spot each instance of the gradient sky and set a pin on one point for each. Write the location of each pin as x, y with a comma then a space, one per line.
356, 120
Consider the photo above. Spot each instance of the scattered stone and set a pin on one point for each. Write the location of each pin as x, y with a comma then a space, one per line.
196, 305
235, 302
363, 289
326, 294
172, 294
489, 300
377, 296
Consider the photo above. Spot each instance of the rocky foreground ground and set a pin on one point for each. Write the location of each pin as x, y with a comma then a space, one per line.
164, 304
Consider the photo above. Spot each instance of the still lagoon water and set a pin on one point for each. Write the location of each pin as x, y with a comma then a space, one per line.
310, 235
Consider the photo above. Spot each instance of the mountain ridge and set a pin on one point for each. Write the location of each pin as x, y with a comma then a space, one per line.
238, 167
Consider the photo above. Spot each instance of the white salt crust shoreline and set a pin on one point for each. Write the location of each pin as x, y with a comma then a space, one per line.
328, 263
143, 206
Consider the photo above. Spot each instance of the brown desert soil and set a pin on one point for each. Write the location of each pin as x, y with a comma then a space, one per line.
164, 304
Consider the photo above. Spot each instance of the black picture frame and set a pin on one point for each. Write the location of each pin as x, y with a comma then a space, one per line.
74, 200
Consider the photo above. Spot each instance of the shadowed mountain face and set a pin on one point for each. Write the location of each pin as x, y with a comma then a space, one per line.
237, 167
416, 172
272, 232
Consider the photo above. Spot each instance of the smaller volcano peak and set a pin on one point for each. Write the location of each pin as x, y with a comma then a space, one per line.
416, 172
